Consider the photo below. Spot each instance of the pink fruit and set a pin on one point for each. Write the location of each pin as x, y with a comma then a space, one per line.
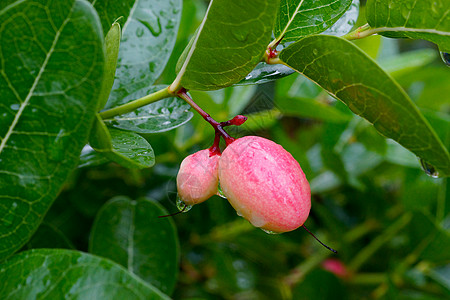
265, 184
197, 179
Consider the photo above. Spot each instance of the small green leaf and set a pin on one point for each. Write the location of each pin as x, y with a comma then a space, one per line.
131, 234
148, 38
66, 274
428, 20
128, 149
345, 24
229, 43
163, 115
49, 89
351, 76
112, 43
298, 18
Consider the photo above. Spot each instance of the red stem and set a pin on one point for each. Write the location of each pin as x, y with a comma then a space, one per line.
218, 127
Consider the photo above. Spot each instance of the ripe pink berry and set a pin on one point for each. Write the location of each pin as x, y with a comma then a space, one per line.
265, 184
336, 267
197, 179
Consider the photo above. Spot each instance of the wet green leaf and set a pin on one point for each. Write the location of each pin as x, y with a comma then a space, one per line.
263, 73
131, 234
359, 82
49, 89
230, 42
148, 38
128, 149
67, 274
111, 11
299, 18
427, 19
163, 115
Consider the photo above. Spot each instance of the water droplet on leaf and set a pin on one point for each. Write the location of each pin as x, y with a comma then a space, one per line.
147, 18
139, 32
152, 66
316, 52
182, 206
446, 58
15, 106
269, 231
241, 35
429, 169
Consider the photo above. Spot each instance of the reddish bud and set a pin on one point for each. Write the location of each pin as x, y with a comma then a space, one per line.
336, 267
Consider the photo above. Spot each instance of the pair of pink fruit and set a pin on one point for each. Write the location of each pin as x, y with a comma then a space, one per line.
260, 179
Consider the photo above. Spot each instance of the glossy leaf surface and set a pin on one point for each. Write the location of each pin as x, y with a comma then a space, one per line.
148, 38
299, 18
229, 43
163, 115
128, 149
49, 88
428, 20
66, 274
131, 234
346, 22
369, 92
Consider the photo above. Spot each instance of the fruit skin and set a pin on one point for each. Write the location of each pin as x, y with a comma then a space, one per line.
265, 184
197, 179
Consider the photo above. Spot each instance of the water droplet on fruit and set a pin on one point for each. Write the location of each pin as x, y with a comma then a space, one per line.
182, 206
147, 18
446, 58
9, 218
139, 32
429, 169
220, 192
269, 231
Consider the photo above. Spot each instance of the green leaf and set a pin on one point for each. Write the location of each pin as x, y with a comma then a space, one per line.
90, 158
312, 287
49, 87
148, 38
67, 274
408, 61
348, 20
131, 234
128, 149
48, 237
112, 11
355, 79
229, 43
112, 43
163, 115
428, 20
298, 18
310, 108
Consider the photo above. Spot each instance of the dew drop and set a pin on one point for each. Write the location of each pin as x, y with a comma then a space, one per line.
241, 35
147, 18
182, 206
15, 106
220, 192
446, 58
139, 32
269, 231
8, 219
316, 52
429, 169
152, 66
